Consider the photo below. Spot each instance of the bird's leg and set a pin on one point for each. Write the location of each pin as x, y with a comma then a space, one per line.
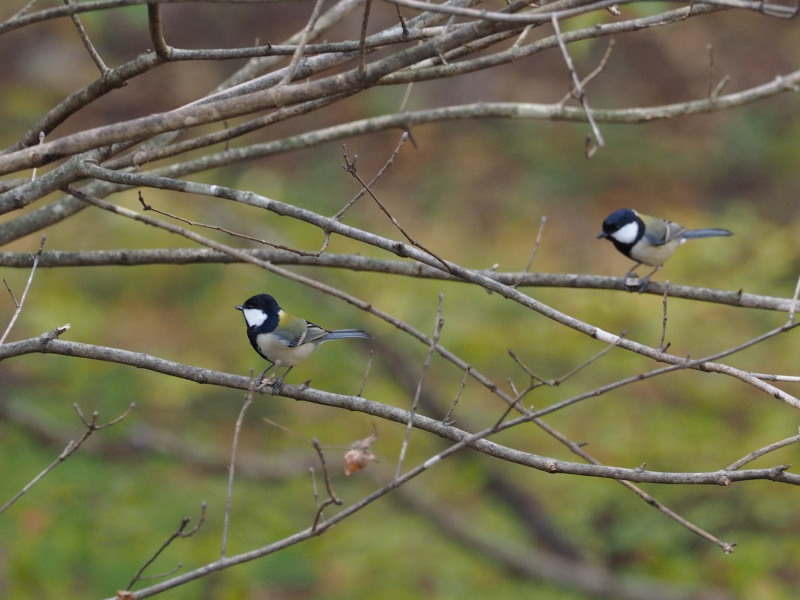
260, 379
630, 274
631, 279
646, 279
278, 383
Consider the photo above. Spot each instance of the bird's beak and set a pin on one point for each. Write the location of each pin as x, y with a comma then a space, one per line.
602, 234
239, 307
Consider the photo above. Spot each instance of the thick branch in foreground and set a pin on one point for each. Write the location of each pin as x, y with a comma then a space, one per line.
47, 343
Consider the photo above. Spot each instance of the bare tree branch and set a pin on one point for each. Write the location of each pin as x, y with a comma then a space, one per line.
36, 257
69, 450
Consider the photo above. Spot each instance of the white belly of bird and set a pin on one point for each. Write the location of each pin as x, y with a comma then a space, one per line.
282, 355
656, 255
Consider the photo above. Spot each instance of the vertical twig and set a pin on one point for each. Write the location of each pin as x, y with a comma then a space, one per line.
332, 497
366, 373
579, 92
406, 96
437, 332
35, 169
362, 42
714, 90
301, 45
19, 304
156, 29
536, 244
448, 418
232, 468
661, 346
793, 308
402, 20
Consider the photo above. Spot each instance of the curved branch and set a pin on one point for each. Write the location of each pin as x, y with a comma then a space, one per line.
48, 343
405, 121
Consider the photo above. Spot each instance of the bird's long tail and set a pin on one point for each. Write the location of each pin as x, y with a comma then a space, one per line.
704, 233
340, 334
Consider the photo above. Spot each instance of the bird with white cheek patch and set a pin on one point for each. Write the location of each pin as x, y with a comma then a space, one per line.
282, 339
649, 240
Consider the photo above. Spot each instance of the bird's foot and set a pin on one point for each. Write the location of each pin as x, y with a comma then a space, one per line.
277, 385
643, 283
262, 384
631, 280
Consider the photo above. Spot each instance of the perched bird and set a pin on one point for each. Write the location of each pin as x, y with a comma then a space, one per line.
648, 240
282, 339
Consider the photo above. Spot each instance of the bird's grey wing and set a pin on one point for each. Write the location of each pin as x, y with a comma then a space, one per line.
674, 231
314, 333
659, 232
291, 331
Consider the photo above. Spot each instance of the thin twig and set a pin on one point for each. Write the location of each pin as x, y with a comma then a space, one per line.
762, 451
599, 69
35, 169
536, 244
448, 417
773, 377
149, 207
350, 167
366, 373
661, 346
571, 372
581, 95
362, 42
793, 309
437, 331
232, 468
714, 90
727, 547
178, 533
70, 449
522, 36
104, 70
24, 10
401, 142
21, 302
332, 497
406, 96
291, 71
11, 292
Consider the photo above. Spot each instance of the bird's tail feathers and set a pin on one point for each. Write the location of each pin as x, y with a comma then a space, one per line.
340, 334
704, 233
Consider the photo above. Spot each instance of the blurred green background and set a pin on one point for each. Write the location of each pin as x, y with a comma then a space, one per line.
473, 192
